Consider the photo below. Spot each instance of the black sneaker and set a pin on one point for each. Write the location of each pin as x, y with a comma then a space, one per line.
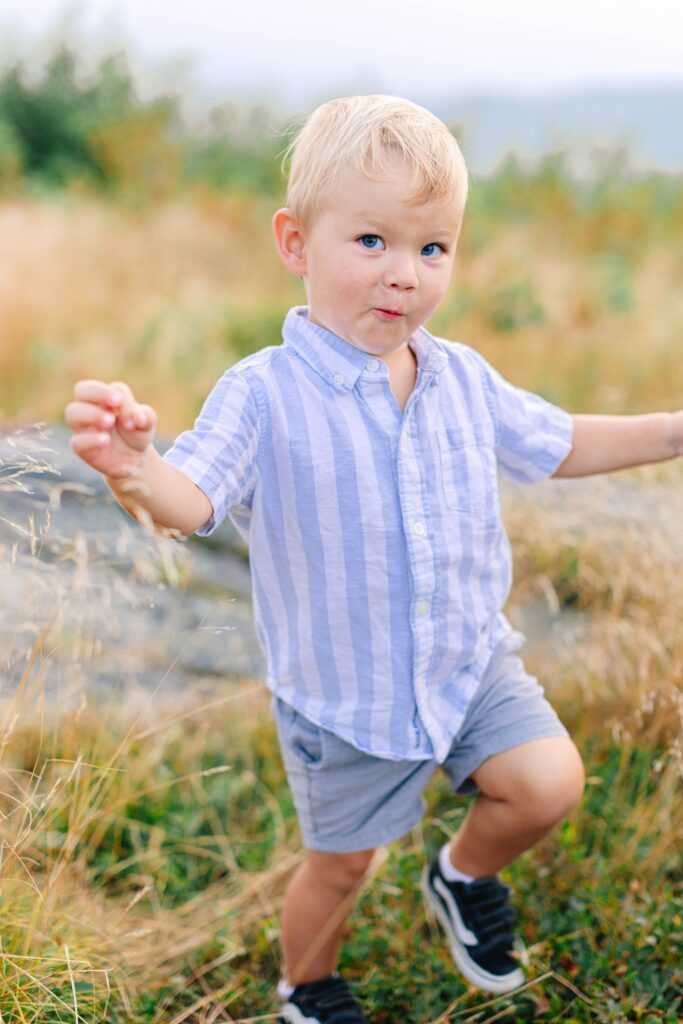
326, 1001
478, 922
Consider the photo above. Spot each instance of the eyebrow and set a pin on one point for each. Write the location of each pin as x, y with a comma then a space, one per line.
369, 221
367, 218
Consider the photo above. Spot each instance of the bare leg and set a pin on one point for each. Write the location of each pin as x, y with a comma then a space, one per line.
318, 901
524, 793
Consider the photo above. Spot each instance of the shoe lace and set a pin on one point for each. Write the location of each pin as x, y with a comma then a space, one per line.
490, 915
338, 1000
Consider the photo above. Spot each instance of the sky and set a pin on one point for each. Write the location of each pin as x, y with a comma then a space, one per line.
304, 51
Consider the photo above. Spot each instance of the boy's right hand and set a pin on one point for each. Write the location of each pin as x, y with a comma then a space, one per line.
112, 431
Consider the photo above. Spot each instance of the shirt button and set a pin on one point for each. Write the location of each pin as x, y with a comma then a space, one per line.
422, 607
419, 529
338, 379
373, 365
404, 438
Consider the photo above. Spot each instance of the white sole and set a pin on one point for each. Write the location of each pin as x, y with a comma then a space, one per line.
293, 1014
467, 967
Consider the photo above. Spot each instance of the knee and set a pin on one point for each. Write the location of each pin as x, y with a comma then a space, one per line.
344, 871
547, 796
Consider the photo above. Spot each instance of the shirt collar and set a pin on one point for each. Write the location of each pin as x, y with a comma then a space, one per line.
341, 363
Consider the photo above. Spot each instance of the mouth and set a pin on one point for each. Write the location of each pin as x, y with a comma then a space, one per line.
388, 314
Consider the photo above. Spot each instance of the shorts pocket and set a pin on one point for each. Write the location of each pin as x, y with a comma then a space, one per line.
303, 737
469, 469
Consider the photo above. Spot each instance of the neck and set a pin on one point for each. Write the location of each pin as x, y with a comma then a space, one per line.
401, 358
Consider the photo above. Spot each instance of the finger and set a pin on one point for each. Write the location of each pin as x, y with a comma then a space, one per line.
96, 391
88, 440
116, 395
127, 404
119, 387
87, 414
152, 417
141, 417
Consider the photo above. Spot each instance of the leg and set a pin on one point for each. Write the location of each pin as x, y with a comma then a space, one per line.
524, 792
318, 901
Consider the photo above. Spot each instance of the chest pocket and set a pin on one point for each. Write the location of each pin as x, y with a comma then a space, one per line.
468, 469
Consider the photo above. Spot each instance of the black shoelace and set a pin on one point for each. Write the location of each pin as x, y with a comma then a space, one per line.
337, 1002
489, 915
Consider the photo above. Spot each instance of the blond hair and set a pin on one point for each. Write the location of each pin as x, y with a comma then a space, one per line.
369, 134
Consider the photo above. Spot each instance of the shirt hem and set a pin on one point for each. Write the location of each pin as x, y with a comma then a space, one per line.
342, 735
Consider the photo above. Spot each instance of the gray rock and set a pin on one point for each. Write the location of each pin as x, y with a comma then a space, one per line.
115, 606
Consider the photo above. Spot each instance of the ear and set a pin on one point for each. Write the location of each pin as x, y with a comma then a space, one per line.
290, 241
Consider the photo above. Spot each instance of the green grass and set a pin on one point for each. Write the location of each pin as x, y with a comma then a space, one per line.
147, 849
208, 857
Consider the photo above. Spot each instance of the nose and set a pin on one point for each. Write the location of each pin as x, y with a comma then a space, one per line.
400, 271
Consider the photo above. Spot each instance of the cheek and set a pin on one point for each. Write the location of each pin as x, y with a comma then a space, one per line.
436, 286
345, 285
339, 280
330, 274
360, 273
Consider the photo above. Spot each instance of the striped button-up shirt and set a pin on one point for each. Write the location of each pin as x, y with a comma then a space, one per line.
379, 561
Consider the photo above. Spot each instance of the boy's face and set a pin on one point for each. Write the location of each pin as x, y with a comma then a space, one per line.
376, 265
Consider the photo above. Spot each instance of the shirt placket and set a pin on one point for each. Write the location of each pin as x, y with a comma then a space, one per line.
419, 541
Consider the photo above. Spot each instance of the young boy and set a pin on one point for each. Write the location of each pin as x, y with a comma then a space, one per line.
360, 460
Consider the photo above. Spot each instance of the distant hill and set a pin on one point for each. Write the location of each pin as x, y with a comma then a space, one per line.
647, 122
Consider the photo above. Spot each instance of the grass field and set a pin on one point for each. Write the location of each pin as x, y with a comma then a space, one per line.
146, 848
573, 292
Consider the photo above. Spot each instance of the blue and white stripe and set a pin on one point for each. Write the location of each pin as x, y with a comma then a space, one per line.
379, 561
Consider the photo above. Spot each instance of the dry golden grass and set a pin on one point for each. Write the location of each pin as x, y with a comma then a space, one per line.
90, 290
98, 920
102, 929
584, 556
74, 944
167, 298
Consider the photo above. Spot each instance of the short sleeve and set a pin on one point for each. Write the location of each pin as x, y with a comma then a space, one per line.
219, 453
533, 436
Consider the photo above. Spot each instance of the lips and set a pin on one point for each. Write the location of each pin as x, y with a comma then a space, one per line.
388, 314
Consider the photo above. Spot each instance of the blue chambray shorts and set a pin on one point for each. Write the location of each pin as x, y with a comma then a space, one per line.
347, 800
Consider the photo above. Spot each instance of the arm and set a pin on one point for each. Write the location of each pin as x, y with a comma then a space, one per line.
604, 443
113, 434
165, 494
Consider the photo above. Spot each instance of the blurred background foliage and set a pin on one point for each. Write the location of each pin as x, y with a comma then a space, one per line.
92, 132
136, 245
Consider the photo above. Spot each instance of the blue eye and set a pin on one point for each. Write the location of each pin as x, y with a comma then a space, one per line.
371, 242
434, 247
